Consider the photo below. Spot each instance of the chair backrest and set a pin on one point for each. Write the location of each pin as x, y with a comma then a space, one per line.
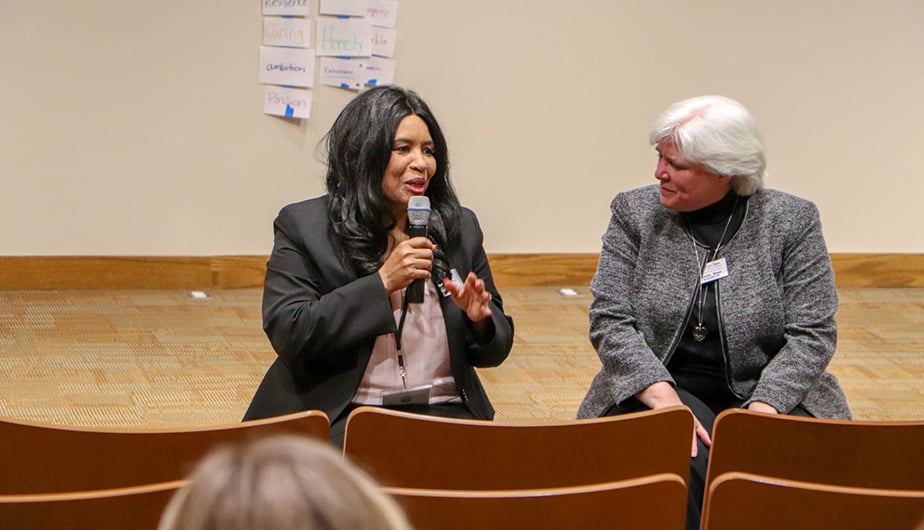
745, 500
137, 508
45, 458
846, 453
415, 451
654, 503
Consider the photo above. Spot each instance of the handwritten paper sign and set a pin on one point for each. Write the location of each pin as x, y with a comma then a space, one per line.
379, 71
288, 102
342, 73
286, 66
383, 13
278, 31
383, 42
353, 8
295, 8
339, 37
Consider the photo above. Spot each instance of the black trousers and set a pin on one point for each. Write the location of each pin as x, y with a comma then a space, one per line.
445, 410
697, 479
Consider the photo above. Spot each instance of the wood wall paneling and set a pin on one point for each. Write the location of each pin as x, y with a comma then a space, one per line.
229, 272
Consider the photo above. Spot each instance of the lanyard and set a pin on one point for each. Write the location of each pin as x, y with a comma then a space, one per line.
401, 368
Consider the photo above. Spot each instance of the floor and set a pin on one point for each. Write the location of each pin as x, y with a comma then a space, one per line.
160, 359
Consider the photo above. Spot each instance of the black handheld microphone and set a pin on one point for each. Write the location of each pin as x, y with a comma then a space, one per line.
418, 217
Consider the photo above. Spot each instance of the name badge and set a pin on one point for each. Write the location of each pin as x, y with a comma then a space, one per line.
418, 395
715, 270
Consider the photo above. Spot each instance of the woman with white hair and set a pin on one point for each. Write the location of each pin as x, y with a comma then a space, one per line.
712, 291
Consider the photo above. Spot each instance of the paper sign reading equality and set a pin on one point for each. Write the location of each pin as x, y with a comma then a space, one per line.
286, 66
288, 102
295, 8
278, 31
350, 37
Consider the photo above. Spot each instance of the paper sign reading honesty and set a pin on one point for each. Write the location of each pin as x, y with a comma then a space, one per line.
351, 37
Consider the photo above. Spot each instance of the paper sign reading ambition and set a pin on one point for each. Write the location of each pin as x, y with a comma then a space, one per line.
344, 37
286, 66
383, 13
296, 8
278, 31
353, 8
288, 102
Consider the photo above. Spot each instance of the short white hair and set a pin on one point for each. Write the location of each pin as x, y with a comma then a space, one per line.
719, 134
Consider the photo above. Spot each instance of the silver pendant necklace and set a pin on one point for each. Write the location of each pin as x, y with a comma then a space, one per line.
700, 332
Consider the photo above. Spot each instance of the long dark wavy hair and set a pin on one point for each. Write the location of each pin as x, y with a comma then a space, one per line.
358, 148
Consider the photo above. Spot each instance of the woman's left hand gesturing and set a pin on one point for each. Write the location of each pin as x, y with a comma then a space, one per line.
471, 296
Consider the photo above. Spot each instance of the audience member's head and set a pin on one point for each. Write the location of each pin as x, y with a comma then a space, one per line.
282, 482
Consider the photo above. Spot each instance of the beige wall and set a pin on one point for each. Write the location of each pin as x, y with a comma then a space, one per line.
136, 127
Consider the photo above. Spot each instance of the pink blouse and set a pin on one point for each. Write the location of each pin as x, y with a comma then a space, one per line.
426, 353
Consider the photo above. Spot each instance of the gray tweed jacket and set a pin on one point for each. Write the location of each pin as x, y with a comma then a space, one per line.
776, 305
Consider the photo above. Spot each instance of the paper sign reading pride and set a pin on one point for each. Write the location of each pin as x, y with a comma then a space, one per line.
353, 8
350, 37
278, 31
383, 13
342, 73
295, 8
383, 42
379, 71
286, 66
288, 102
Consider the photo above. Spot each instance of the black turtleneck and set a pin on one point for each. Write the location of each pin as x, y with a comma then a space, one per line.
699, 366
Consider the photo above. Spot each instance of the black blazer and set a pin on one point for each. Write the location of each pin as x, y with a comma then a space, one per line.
322, 320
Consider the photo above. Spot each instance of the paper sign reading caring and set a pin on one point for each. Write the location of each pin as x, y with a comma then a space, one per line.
383, 13
286, 66
288, 102
278, 31
296, 8
351, 37
353, 8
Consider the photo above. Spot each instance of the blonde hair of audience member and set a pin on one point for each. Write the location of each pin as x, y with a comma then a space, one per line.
281, 482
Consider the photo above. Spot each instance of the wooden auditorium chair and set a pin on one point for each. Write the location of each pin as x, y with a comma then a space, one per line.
45, 458
847, 453
756, 502
416, 451
864, 454
655, 502
135, 508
